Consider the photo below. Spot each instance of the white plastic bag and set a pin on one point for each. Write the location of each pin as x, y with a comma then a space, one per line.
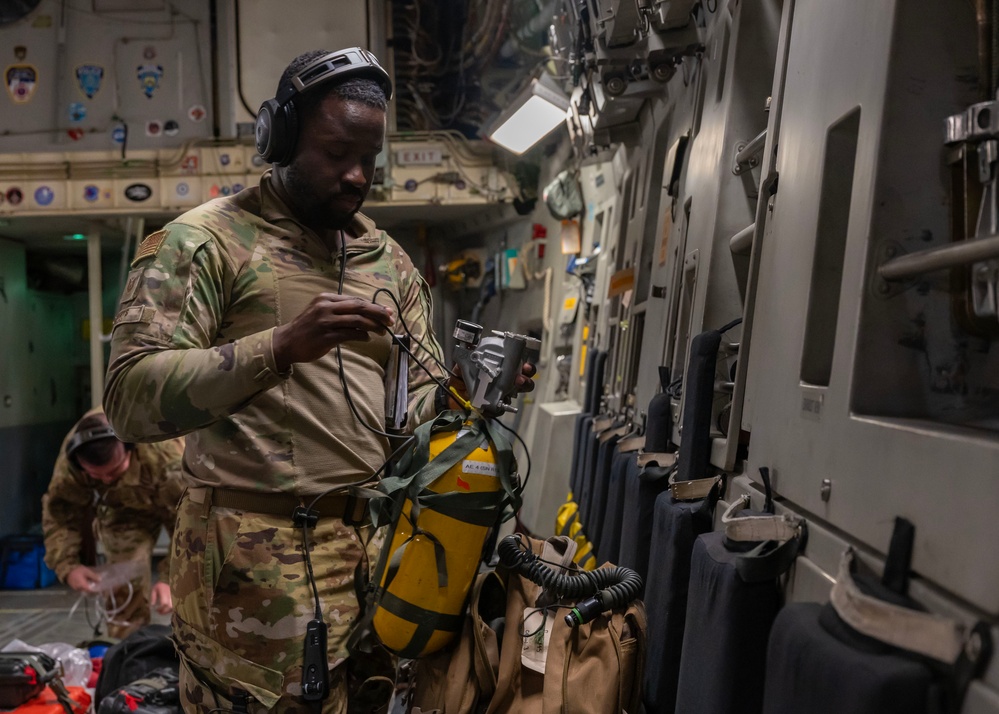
76, 664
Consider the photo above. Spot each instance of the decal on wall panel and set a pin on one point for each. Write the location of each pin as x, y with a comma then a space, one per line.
88, 79
21, 81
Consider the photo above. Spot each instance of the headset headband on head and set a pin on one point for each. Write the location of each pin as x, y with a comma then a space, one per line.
86, 436
351, 62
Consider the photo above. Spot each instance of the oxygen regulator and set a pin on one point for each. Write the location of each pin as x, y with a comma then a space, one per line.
490, 365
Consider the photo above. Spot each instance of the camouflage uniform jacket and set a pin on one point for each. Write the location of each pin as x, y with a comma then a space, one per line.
146, 494
191, 350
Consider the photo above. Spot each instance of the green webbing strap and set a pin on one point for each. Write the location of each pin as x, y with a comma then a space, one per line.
426, 621
415, 468
477, 509
396, 560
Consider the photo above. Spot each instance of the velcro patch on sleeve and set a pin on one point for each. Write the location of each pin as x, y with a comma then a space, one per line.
131, 286
136, 313
149, 246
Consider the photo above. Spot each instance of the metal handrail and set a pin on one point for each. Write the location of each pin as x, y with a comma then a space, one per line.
742, 242
744, 156
955, 255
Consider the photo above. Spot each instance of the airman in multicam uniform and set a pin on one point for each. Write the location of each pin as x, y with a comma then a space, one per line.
125, 494
227, 332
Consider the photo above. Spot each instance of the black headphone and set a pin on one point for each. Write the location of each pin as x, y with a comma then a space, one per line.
276, 128
86, 436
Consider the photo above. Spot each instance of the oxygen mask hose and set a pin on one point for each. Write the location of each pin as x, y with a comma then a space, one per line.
603, 589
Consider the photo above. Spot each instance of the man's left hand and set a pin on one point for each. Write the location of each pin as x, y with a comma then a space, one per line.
525, 380
160, 599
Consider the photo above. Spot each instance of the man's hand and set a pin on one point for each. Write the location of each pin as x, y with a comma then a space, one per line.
525, 380
326, 322
83, 579
160, 599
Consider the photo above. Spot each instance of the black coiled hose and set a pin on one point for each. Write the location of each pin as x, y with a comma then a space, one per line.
606, 588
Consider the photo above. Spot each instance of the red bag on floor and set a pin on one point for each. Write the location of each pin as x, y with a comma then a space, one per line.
47, 703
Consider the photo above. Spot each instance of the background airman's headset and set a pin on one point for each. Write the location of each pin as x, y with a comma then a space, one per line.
82, 437
276, 128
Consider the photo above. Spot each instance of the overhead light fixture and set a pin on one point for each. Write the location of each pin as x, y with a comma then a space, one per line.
534, 113
75, 236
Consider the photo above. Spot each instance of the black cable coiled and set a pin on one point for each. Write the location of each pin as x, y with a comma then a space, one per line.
610, 588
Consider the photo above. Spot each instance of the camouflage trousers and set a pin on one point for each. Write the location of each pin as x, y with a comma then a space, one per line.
127, 540
242, 599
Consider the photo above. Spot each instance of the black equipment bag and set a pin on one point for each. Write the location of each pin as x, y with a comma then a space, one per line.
609, 545
906, 662
640, 496
733, 596
584, 423
148, 648
590, 452
591, 508
155, 693
810, 670
23, 676
595, 382
643, 484
675, 527
698, 402
728, 624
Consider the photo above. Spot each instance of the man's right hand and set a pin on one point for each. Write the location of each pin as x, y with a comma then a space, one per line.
326, 322
83, 579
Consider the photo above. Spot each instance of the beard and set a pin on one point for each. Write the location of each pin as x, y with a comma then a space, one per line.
316, 211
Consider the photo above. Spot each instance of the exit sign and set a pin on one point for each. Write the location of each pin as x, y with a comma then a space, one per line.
422, 157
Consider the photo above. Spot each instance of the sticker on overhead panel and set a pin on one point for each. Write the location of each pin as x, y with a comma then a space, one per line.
89, 77
21, 79
14, 196
44, 195
138, 192
149, 77
196, 113
154, 128
118, 134
91, 193
171, 127
77, 112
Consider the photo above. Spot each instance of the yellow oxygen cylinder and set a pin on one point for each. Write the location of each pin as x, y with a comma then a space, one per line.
432, 562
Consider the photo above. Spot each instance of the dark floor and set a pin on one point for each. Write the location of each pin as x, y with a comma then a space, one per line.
54, 614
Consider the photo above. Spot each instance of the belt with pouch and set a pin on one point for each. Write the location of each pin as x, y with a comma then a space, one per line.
349, 508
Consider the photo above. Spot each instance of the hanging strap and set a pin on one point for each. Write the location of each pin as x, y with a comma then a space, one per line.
779, 537
692, 490
653, 458
896, 573
924, 633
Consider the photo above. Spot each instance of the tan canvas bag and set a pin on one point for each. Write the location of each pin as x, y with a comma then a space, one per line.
461, 679
595, 668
